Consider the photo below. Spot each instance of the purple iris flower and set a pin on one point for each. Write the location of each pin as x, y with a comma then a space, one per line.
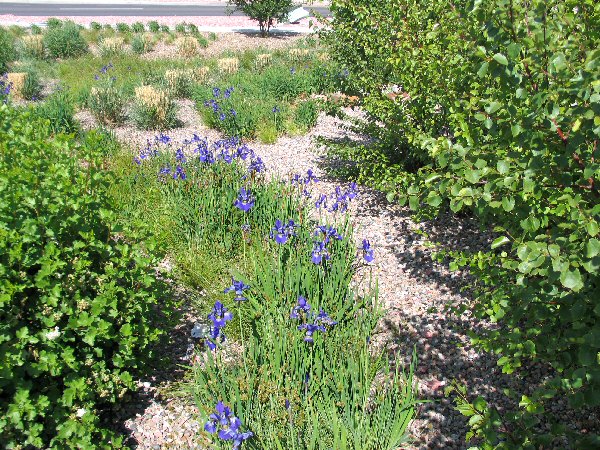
281, 232
351, 193
179, 173
321, 202
228, 426
222, 117
293, 70
96, 77
257, 165
306, 194
367, 251
310, 329
328, 233
216, 92
228, 92
162, 138
164, 171
296, 179
233, 112
245, 201
243, 152
180, 156
325, 319
276, 110
319, 252
238, 287
220, 315
310, 177
302, 307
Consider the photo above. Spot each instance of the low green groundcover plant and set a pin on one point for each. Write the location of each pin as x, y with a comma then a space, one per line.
76, 296
305, 376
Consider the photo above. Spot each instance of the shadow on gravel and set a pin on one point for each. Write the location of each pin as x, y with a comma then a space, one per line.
142, 417
273, 34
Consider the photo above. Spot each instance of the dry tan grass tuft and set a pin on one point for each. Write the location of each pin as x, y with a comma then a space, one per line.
187, 46
17, 81
228, 65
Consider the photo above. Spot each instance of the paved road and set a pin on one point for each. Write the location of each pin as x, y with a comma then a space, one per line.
73, 9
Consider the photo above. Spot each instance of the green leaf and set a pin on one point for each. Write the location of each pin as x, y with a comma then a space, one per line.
483, 70
592, 227
508, 203
501, 59
498, 242
503, 167
592, 248
571, 279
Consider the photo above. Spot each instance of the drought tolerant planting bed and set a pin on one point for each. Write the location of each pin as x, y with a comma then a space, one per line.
282, 355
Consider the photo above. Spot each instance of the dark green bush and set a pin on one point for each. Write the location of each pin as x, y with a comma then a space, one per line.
76, 299
95, 26
138, 27
7, 50
35, 29
180, 28
493, 108
140, 44
306, 114
65, 41
165, 28
153, 26
53, 22
123, 27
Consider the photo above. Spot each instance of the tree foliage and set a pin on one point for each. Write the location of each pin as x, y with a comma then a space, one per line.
266, 12
494, 107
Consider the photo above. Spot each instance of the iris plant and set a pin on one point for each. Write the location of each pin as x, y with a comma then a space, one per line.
281, 232
245, 201
367, 251
227, 426
238, 287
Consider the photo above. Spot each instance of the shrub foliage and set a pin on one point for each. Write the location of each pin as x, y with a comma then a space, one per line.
75, 299
494, 107
64, 41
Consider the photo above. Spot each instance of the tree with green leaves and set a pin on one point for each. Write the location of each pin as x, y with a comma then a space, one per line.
266, 12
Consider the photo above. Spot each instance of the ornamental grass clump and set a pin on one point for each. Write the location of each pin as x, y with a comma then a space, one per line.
153, 109
142, 43
17, 82
263, 60
106, 99
187, 46
228, 65
112, 46
180, 81
33, 46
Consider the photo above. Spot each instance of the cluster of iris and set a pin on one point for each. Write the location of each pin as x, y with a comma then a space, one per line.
227, 426
338, 201
215, 105
5, 88
320, 250
103, 71
311, 322
226, 150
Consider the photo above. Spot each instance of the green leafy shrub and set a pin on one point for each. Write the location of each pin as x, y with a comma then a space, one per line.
212, 36
95, 26
265, 12
153, 26
138, 27
53, 22
180, 28
76, 301
59, 109
7, 50
107, 26
201, 40
497, 114
165, 28
123, 27
65, 41
192, 28
35, 29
